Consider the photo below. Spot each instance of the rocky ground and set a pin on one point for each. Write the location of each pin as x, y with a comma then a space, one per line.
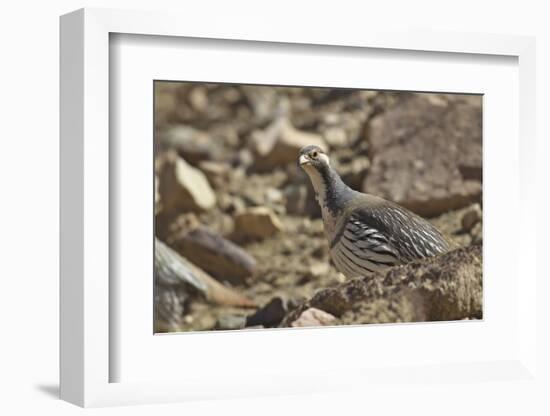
238, 216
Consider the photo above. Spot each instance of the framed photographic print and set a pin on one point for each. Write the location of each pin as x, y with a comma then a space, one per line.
277, 213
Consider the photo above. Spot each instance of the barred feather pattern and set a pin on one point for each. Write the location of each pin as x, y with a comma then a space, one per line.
374, 239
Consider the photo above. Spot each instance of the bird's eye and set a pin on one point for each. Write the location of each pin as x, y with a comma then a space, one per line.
314, 154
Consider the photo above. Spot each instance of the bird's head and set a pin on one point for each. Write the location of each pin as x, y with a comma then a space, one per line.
313, 158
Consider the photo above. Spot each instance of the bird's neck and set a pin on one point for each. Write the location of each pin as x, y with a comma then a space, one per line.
331, 192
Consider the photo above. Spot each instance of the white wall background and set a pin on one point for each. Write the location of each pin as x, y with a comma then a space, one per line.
29, 115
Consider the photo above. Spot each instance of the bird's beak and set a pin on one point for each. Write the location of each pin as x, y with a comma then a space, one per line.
303, 160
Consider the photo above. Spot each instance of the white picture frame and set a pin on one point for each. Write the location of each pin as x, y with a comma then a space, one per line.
87, 356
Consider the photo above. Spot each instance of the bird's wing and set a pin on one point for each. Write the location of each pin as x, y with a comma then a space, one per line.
392, 235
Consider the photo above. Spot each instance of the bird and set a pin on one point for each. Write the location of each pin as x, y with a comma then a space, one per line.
366, 234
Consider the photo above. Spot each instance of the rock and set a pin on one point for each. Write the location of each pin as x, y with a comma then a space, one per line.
274, 195
158, 206
183, 187
471, 217
177, 281
354, 172
318, 269
231, 204
198, 98
313, 317
257, 223
231, 322
191, 144
280, 143
300, 200
272, 313
214, 170
443, 288
223, 259
335, 137
477, 233
419, 149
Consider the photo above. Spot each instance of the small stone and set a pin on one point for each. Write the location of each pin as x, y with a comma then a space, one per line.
340, 278
318, 269
313, 317
231, 322
477, 233
331, 119
336, 137
231, 204
274, 195
158, 206
213, 170
192, 144
183, 187
272, 313
257, 223
471, 217
198, 98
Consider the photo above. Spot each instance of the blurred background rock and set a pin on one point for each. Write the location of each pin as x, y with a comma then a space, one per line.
232, 203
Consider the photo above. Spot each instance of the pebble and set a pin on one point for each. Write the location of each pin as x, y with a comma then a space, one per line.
313, 317
257, 223
471, 217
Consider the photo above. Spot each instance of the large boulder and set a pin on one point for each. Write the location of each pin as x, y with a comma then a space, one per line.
426, 153
443, 288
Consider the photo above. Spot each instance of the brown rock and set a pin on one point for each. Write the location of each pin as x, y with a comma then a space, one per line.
477, 233
471, 217
280, 143
313, 317
257, 223
221, 258
442, 288
419, 149
214, 171
183, 187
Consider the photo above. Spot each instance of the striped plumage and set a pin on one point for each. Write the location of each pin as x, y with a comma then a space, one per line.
366, 233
